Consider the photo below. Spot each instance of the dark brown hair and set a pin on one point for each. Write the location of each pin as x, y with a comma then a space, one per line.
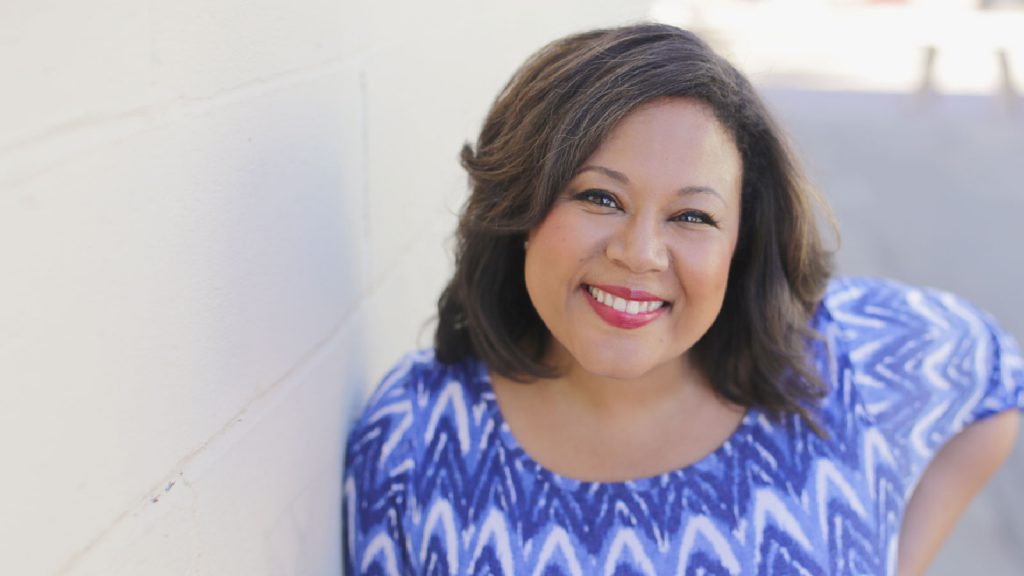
552, 115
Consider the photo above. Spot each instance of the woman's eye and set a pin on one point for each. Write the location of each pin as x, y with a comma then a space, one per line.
696, 217
599, 198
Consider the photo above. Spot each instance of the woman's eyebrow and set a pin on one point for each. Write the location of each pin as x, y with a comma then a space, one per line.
613, 174
690, 190
623, 179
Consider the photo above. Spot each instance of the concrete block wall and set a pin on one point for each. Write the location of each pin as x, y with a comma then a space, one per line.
220, 222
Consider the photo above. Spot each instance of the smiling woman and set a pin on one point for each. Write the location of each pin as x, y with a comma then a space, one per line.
641, 365
630, 228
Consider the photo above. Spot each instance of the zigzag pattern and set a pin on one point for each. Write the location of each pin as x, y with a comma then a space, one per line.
436, 483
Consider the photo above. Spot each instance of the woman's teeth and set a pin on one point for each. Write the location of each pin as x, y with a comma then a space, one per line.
623, 305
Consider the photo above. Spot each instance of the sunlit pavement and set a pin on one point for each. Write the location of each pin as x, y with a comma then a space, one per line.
894, 46
909, 117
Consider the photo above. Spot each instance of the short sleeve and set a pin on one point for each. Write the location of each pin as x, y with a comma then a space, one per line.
1005, 389
924, 363
378, 469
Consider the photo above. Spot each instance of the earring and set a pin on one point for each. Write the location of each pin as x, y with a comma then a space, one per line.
526, 244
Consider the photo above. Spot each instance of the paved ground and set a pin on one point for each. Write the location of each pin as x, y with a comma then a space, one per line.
930, 190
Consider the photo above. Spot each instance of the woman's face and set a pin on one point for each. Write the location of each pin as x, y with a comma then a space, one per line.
629, 268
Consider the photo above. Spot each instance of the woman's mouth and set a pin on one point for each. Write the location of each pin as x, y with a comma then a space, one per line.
623, 307
623, 304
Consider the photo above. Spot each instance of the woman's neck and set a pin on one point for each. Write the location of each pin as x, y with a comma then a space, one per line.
590, 427
677, 384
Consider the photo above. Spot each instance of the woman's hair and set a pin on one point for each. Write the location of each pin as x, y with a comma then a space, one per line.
551, 116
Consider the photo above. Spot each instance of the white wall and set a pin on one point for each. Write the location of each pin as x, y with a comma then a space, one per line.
220, 222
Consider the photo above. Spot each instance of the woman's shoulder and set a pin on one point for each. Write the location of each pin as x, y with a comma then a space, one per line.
401, 436
419, 377
869, 306
915, 331
417, 392
924, 362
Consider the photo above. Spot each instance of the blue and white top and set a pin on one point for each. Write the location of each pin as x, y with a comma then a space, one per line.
435, 482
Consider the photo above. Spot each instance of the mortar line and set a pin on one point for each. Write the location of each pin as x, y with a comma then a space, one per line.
127, 123
277, 388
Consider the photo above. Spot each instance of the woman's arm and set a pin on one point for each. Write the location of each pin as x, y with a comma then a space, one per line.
953, 477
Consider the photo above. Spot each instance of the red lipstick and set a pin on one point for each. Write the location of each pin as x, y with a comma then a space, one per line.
628, 293
623, 319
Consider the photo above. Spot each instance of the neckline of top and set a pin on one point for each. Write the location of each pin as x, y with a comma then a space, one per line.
742, 434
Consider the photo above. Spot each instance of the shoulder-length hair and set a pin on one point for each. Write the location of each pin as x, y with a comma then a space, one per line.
551, 116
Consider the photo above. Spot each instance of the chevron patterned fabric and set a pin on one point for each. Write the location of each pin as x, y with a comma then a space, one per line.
435, 482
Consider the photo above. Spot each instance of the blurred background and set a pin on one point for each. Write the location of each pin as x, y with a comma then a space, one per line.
221, 221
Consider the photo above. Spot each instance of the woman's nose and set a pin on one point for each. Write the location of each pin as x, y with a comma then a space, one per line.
638, 246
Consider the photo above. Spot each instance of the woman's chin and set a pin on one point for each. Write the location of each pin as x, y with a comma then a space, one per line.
616, 367
614, 361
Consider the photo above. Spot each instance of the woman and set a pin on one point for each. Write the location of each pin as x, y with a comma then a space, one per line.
642, 367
